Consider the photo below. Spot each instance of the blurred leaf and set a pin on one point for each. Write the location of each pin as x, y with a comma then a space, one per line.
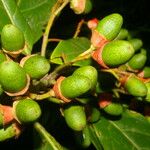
131, 132
69, 49
28, 15
43, 140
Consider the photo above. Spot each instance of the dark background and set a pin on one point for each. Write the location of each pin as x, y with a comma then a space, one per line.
136, 19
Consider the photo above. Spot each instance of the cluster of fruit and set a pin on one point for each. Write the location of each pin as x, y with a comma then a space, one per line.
81, 96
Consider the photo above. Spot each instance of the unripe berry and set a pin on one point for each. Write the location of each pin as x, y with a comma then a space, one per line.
116, 53
89, 72
12, 38
75, 117
2, 57
147, 98
83, 138
136, 43
137, 61
13, 78
26, 111
123, 34
114, 109
75, 86
110, 26
81, 6
36, 66
145, 73
135, 86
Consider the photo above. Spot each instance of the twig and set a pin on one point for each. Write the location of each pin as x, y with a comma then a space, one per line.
60, 4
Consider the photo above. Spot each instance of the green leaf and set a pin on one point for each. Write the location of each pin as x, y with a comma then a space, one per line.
69, 49
28, 15
131, 132
43, 140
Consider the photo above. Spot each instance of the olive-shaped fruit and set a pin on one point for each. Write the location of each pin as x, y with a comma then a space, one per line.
147, 98
27, 111
89, 72
2, 57
75, 117
36, 66
135, 86
81, 6
110, 26
123, 34
7, 132
94, 115
12, 77
117, 52
83, 138
75, 86
12, 38
137, 61
114, 109
136, 43
145, 72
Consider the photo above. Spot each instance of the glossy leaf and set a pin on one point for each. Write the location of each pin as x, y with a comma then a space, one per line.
29, 16
130, 132
67, 50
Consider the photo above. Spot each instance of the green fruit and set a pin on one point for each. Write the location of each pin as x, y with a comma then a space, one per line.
7, 133
2, 57
36, 66
88, 7
83, 138
146, 72
117, 52
75, 86
147, 98
136, 43
137, 61
114, 109
12, 77
89, 72
75, 117
110, 26
12, 38
81, 6
94, 115
135, 87
123, 34
27, 111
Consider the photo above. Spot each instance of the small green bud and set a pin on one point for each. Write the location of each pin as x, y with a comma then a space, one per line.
137, 61
135, 86
36, 66
145, 72
110, 26
27, 111
136, 43
123, 34
75, 86
81, 6
2, 57
12, 77
147, 98
75, 117
117, 52
83, 138
89, 72
114, 109
12, 38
